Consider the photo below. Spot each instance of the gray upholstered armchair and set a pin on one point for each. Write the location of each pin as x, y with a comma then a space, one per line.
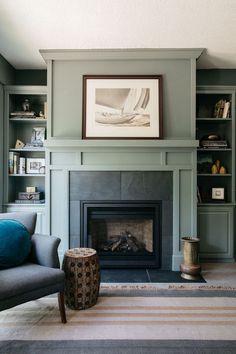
39, 276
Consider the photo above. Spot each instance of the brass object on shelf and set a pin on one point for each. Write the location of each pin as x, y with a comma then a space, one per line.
214, 169
190, 267
222, 170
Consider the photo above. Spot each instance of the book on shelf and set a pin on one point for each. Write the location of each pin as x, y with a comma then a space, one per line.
22, 114
16, 162
226, 110
29, 201
10, 162
222, 109
22, 165
199, 198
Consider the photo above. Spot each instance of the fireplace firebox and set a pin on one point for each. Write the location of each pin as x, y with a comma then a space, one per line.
126, 234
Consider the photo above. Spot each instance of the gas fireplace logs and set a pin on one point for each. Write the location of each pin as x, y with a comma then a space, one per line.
123, 243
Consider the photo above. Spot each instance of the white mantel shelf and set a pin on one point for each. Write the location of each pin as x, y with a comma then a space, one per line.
97, 143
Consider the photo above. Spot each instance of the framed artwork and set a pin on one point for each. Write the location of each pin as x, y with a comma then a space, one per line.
35, 166
38, 136
122, 107
218, 193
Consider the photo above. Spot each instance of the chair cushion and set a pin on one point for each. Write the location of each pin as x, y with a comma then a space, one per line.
15, 243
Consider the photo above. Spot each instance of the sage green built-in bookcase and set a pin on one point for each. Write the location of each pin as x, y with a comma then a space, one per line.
24, 156
215, 130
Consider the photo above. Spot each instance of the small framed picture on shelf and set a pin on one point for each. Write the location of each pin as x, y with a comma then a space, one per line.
35, 166
38, 136
218, 194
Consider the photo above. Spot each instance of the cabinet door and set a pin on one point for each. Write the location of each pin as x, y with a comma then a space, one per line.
215, 230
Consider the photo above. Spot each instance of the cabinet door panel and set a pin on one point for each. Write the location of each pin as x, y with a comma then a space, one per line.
215, 229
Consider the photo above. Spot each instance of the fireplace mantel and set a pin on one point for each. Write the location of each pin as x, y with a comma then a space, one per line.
140, 143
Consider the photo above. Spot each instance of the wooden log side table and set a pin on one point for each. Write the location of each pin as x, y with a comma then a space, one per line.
82, 272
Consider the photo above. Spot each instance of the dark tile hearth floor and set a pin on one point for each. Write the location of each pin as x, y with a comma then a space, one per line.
143, 276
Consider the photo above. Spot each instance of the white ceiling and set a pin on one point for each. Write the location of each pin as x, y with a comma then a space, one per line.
29, 25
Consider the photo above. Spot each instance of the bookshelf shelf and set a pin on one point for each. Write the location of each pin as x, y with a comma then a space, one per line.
216, 192
25, 132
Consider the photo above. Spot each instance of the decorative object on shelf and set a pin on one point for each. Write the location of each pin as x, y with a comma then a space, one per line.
26, 105
218, 194
190, 267
122, 106
38, 136
222, 170
29, 197
214, 169
217, 168
204, 163
42, 170
19, 144
34, 165
31, 189
213, 141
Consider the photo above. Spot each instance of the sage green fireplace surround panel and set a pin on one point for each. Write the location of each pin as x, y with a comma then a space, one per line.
67, 92
67, 152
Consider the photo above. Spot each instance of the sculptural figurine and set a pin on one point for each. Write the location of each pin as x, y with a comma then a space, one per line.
26, 105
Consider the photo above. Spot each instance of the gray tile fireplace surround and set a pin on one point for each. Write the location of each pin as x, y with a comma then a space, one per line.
127, 186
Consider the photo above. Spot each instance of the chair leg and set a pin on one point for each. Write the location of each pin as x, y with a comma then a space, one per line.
61, 304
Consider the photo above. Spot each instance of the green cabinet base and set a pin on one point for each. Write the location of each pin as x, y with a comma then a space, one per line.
216, 233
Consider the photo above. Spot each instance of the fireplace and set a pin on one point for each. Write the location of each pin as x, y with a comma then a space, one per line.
140, 200
124, 233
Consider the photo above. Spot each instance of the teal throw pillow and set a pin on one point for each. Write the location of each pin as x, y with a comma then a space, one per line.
15, 243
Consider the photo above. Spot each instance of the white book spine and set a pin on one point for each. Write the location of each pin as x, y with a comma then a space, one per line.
16, 158
22, 166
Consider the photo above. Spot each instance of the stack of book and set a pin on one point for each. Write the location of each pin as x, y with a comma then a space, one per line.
23, 114
16, 164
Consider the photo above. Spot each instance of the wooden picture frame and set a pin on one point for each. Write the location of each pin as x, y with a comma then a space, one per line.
122, 107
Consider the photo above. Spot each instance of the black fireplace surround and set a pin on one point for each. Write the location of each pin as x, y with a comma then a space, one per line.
141, 200
125, 234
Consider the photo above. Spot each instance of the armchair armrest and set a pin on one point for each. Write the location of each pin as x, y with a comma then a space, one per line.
44, 250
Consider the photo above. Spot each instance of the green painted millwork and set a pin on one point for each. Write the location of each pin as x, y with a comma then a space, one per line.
22, 129
66, 68
67, 93
1, 145
215, 229
216, 222
66, 151
7, 72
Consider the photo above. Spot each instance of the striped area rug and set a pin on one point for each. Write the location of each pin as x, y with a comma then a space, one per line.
124, 318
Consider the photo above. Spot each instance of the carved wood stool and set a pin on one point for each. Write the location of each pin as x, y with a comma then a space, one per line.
82, 272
